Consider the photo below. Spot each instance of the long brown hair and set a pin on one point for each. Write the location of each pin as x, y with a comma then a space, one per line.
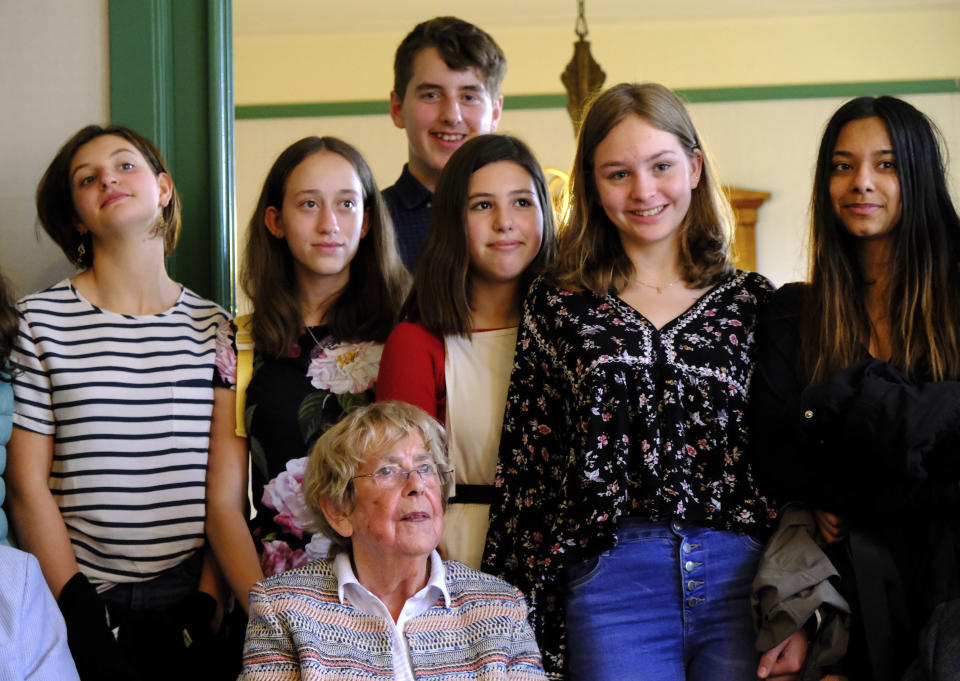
368, 307
441, 297
923, 310
591, 254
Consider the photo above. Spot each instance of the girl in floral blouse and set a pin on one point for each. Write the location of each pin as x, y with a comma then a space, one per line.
322, 271
625, 506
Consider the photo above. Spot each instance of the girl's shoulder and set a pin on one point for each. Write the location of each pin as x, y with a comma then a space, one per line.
61, 292
753, 282
413, 333
787, 300
192, 301
410, 340
544, 292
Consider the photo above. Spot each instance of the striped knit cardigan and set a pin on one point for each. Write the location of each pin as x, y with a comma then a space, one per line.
299, 629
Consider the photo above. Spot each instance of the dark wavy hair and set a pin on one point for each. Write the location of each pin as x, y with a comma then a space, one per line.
461, 46
55, 208
441, 297
590, 253
923, 312
368, 307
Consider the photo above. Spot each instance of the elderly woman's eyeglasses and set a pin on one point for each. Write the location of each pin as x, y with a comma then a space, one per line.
391, 477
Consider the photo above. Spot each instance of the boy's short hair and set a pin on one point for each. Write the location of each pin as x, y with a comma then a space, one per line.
461, 46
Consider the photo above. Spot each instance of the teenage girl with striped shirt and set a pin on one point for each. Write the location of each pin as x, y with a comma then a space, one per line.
112, 417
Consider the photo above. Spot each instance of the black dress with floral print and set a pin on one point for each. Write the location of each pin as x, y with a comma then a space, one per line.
608, 417
290, 402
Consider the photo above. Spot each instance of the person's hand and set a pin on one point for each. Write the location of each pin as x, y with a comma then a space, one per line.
94, 648
830, 528
784, 661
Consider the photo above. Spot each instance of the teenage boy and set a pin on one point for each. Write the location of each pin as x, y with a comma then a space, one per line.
447, 75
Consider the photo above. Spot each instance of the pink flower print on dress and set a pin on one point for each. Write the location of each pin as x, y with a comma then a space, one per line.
225, 359
285, 495
345, 367
319, 547
278, 557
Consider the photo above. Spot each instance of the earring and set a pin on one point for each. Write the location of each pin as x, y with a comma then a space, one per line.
81, 251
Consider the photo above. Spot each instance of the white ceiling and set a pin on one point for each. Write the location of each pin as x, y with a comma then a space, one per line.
273, 17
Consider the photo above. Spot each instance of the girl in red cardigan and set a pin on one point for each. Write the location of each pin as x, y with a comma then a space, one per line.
491, 233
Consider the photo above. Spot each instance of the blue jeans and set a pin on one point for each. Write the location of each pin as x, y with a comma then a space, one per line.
671, 601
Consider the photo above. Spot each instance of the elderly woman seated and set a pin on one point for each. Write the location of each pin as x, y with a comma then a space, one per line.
385, 606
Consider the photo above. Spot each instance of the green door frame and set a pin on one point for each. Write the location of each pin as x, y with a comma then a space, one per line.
171, 79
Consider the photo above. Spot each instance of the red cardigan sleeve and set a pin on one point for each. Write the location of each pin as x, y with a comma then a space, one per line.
412, 369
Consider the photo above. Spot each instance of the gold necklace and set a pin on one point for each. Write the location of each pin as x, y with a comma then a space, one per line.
315, 341
658, 289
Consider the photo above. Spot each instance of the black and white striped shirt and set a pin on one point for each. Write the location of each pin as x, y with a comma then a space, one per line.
128, 401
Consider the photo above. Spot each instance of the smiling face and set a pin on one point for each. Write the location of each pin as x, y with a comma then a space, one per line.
864, 185
388, 526
644, 181
322, 218
440, 110
115, 191
504, 222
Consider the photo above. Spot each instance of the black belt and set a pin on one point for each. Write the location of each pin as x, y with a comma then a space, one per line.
472, 494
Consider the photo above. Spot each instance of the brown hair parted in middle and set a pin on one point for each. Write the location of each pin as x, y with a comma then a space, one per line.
372, 430
441, 299
55, 209
367, 309
590, 252
461, 46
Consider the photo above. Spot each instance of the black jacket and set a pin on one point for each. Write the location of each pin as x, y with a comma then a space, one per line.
879, 450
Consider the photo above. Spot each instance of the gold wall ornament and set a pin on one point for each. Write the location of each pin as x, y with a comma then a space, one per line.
583, 76
557, 183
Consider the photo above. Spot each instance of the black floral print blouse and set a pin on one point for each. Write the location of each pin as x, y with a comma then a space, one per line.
608, 416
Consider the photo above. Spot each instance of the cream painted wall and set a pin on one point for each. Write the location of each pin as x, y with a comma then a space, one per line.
772, 146
766, 145
54, 80
870, 46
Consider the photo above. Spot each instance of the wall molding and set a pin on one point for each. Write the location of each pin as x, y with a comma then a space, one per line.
559, 101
